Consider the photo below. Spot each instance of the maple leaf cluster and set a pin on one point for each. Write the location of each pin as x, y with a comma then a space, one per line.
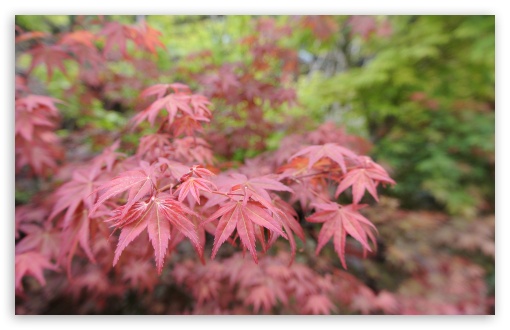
86, 55
111, 213
52, 232
171, 199
37, 145
81, 46
162, 198
262, 288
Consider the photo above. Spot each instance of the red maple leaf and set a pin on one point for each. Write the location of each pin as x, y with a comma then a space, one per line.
239, 188
42, 238
200, 106
193, 186
191, 149
148, 37
40, 154
38, 103
338, 221
318, 304
83, 37
50, 56
330, 150
172, 103
243, 217
188, 125
108, 157
266, 295
158, 215
366, 177
29, 213
116, 34
31, 263
27, 123
76, 233
200, 171
152, 146
82, 46
256, 188
178, 237
160, 90
35, 114
291, 226
79, 191
138, 182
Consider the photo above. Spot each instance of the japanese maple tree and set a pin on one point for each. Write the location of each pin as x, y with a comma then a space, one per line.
163, 204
